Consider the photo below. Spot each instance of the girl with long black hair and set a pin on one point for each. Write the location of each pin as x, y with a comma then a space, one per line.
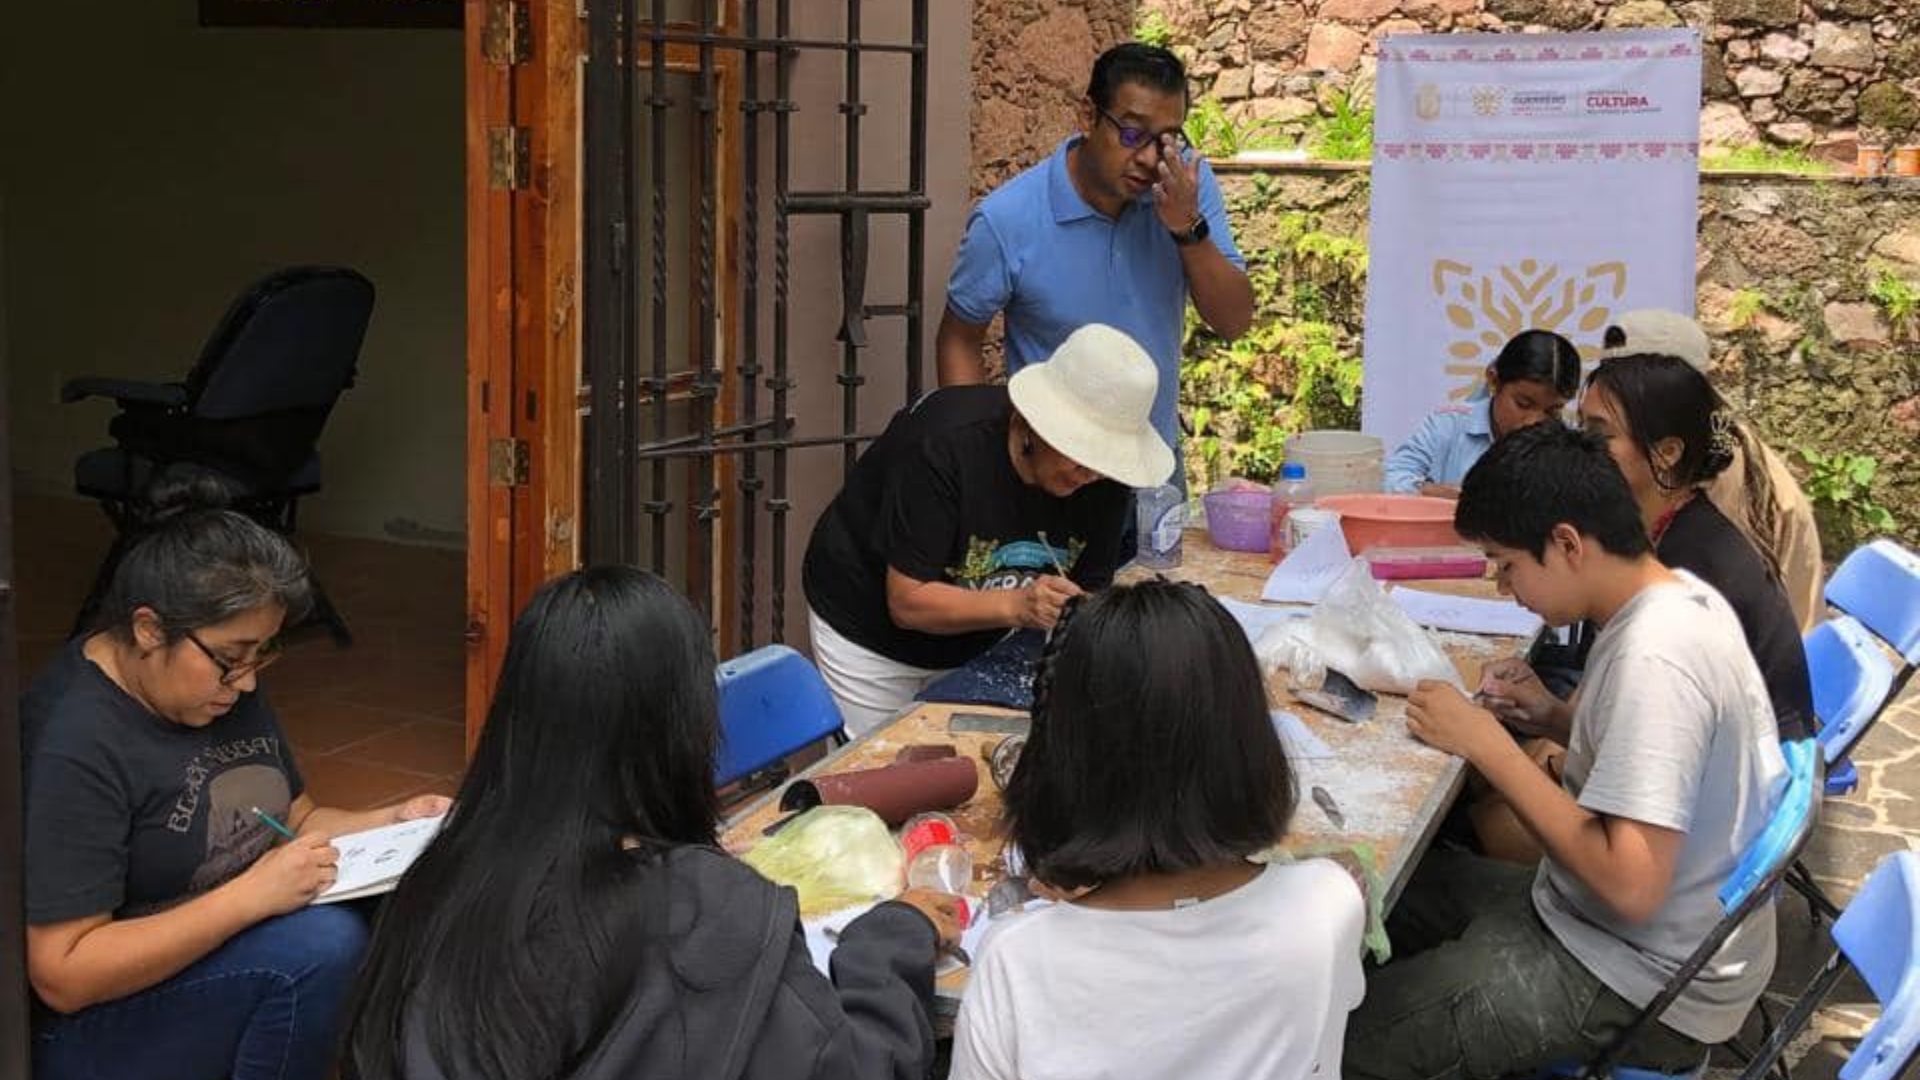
575, 917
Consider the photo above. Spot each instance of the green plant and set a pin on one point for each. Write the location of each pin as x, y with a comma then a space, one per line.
1298, 368
1840, 485
1898, 298
1217, 134
1152, 28
1760, 157
1745, 306
1347, 135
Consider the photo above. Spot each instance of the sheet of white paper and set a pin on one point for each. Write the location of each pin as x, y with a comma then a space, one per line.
378, 856
823, 934
1475, 616
1257, 619
1304, 575
1298, 739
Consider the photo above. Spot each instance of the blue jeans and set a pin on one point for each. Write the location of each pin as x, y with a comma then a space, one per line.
264, 1006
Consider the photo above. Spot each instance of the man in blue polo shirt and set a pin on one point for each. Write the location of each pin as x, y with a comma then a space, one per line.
1119, 226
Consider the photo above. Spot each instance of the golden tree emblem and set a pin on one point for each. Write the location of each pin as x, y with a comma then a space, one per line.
1488, 307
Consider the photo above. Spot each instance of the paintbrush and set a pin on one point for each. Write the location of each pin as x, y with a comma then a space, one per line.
1052, 556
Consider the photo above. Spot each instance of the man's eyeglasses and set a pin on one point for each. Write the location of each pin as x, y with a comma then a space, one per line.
1133, 138
232, 671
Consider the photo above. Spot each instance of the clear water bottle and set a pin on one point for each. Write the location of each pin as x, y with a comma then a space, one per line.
936, 860
1161, 514
1291, 490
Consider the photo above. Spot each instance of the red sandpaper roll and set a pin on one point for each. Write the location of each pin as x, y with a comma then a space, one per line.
895, 792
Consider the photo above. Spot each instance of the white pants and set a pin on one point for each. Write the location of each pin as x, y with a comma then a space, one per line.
869, 688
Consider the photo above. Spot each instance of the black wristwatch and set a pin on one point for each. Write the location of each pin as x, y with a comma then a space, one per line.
1194, 233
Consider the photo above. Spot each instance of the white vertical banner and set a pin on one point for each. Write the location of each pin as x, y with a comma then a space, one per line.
1521, 181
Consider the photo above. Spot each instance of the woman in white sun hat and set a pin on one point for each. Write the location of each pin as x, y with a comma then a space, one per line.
980, 509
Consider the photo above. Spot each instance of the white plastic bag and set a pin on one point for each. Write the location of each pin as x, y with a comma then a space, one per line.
1357, 631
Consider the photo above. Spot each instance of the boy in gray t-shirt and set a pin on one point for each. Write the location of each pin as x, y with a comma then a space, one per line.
1672, 768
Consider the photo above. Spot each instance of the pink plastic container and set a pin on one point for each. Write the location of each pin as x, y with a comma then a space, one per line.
1396, 563
1238, 520
1372, 521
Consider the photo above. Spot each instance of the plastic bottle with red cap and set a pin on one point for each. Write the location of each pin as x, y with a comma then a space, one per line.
936, 859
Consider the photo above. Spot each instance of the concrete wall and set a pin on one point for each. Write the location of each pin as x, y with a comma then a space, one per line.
815, 474
153, 168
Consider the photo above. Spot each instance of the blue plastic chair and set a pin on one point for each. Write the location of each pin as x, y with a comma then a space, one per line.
1879, 937
1852, 680
773, 702
1751, 886
1879, 585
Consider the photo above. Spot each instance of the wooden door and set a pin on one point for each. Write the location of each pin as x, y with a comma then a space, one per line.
522, 139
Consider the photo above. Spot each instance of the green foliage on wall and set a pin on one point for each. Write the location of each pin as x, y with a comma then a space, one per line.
1296, 369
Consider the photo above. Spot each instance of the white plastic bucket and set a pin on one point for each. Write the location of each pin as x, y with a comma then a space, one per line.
1339, 462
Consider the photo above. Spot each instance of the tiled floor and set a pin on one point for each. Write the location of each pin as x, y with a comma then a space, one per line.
371, 724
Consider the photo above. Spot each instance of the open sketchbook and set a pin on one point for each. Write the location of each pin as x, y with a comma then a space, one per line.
372, 861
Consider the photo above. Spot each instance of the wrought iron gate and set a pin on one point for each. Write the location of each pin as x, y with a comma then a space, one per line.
679, 463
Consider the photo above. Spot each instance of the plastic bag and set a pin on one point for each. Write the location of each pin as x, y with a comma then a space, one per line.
1357, 631
834, 856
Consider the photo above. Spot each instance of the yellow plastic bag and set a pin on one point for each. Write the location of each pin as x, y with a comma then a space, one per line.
834, 856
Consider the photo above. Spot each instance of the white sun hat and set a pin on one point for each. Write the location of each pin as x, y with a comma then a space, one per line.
1659, 332
1092, 400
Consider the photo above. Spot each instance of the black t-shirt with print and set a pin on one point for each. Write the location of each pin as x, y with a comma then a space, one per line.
937, 498
128, 813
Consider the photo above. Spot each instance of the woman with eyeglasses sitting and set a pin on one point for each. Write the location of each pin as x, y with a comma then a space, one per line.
168, 926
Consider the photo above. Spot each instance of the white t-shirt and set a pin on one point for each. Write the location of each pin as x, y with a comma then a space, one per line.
1254, 984
1673, 728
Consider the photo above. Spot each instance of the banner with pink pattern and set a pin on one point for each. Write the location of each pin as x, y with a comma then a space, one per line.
1521, 181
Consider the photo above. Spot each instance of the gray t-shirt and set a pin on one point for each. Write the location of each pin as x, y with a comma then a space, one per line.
1673, 728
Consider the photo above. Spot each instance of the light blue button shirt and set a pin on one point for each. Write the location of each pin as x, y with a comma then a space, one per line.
1446, 445
1036, 250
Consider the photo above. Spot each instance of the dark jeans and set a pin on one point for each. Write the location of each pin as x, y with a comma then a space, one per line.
1480, 989
264, 1006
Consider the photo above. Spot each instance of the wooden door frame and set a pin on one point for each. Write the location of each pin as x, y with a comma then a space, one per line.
523, 322
523, 317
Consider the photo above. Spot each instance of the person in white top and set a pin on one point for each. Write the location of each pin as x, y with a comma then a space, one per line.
1673, 767
1153, 772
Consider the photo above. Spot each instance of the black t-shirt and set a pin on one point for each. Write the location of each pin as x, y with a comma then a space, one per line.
1702, 541
936, 497
128, 813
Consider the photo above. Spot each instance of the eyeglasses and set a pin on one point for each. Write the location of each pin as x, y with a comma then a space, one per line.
232, 671
1133, 138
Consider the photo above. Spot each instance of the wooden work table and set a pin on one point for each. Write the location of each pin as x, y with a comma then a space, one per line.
1391, 790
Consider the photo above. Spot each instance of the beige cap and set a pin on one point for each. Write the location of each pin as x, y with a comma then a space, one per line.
1661, 333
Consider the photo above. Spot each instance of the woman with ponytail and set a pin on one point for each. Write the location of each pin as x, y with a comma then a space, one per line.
1671, 434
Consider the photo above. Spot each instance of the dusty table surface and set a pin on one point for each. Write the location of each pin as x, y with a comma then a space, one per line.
1391, 790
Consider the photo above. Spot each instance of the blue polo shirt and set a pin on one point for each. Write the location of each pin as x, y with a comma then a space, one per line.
1035, 250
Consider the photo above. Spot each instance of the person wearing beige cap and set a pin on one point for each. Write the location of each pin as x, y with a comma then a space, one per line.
979, 509
1757, 491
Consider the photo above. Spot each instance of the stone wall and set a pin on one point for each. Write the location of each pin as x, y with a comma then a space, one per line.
1030, 65
1784, 268
1811, 73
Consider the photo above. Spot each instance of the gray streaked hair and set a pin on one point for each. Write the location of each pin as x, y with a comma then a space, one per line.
202, 567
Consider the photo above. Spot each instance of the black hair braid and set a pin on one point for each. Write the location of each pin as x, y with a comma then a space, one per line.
1043, 670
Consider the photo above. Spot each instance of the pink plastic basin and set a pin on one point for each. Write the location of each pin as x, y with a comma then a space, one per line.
1393, 520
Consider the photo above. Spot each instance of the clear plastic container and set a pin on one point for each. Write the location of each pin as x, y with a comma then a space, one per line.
1161, 514
936, 859
1291, 490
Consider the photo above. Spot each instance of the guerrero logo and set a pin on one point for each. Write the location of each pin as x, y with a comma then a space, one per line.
1426, 102
1487, 306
